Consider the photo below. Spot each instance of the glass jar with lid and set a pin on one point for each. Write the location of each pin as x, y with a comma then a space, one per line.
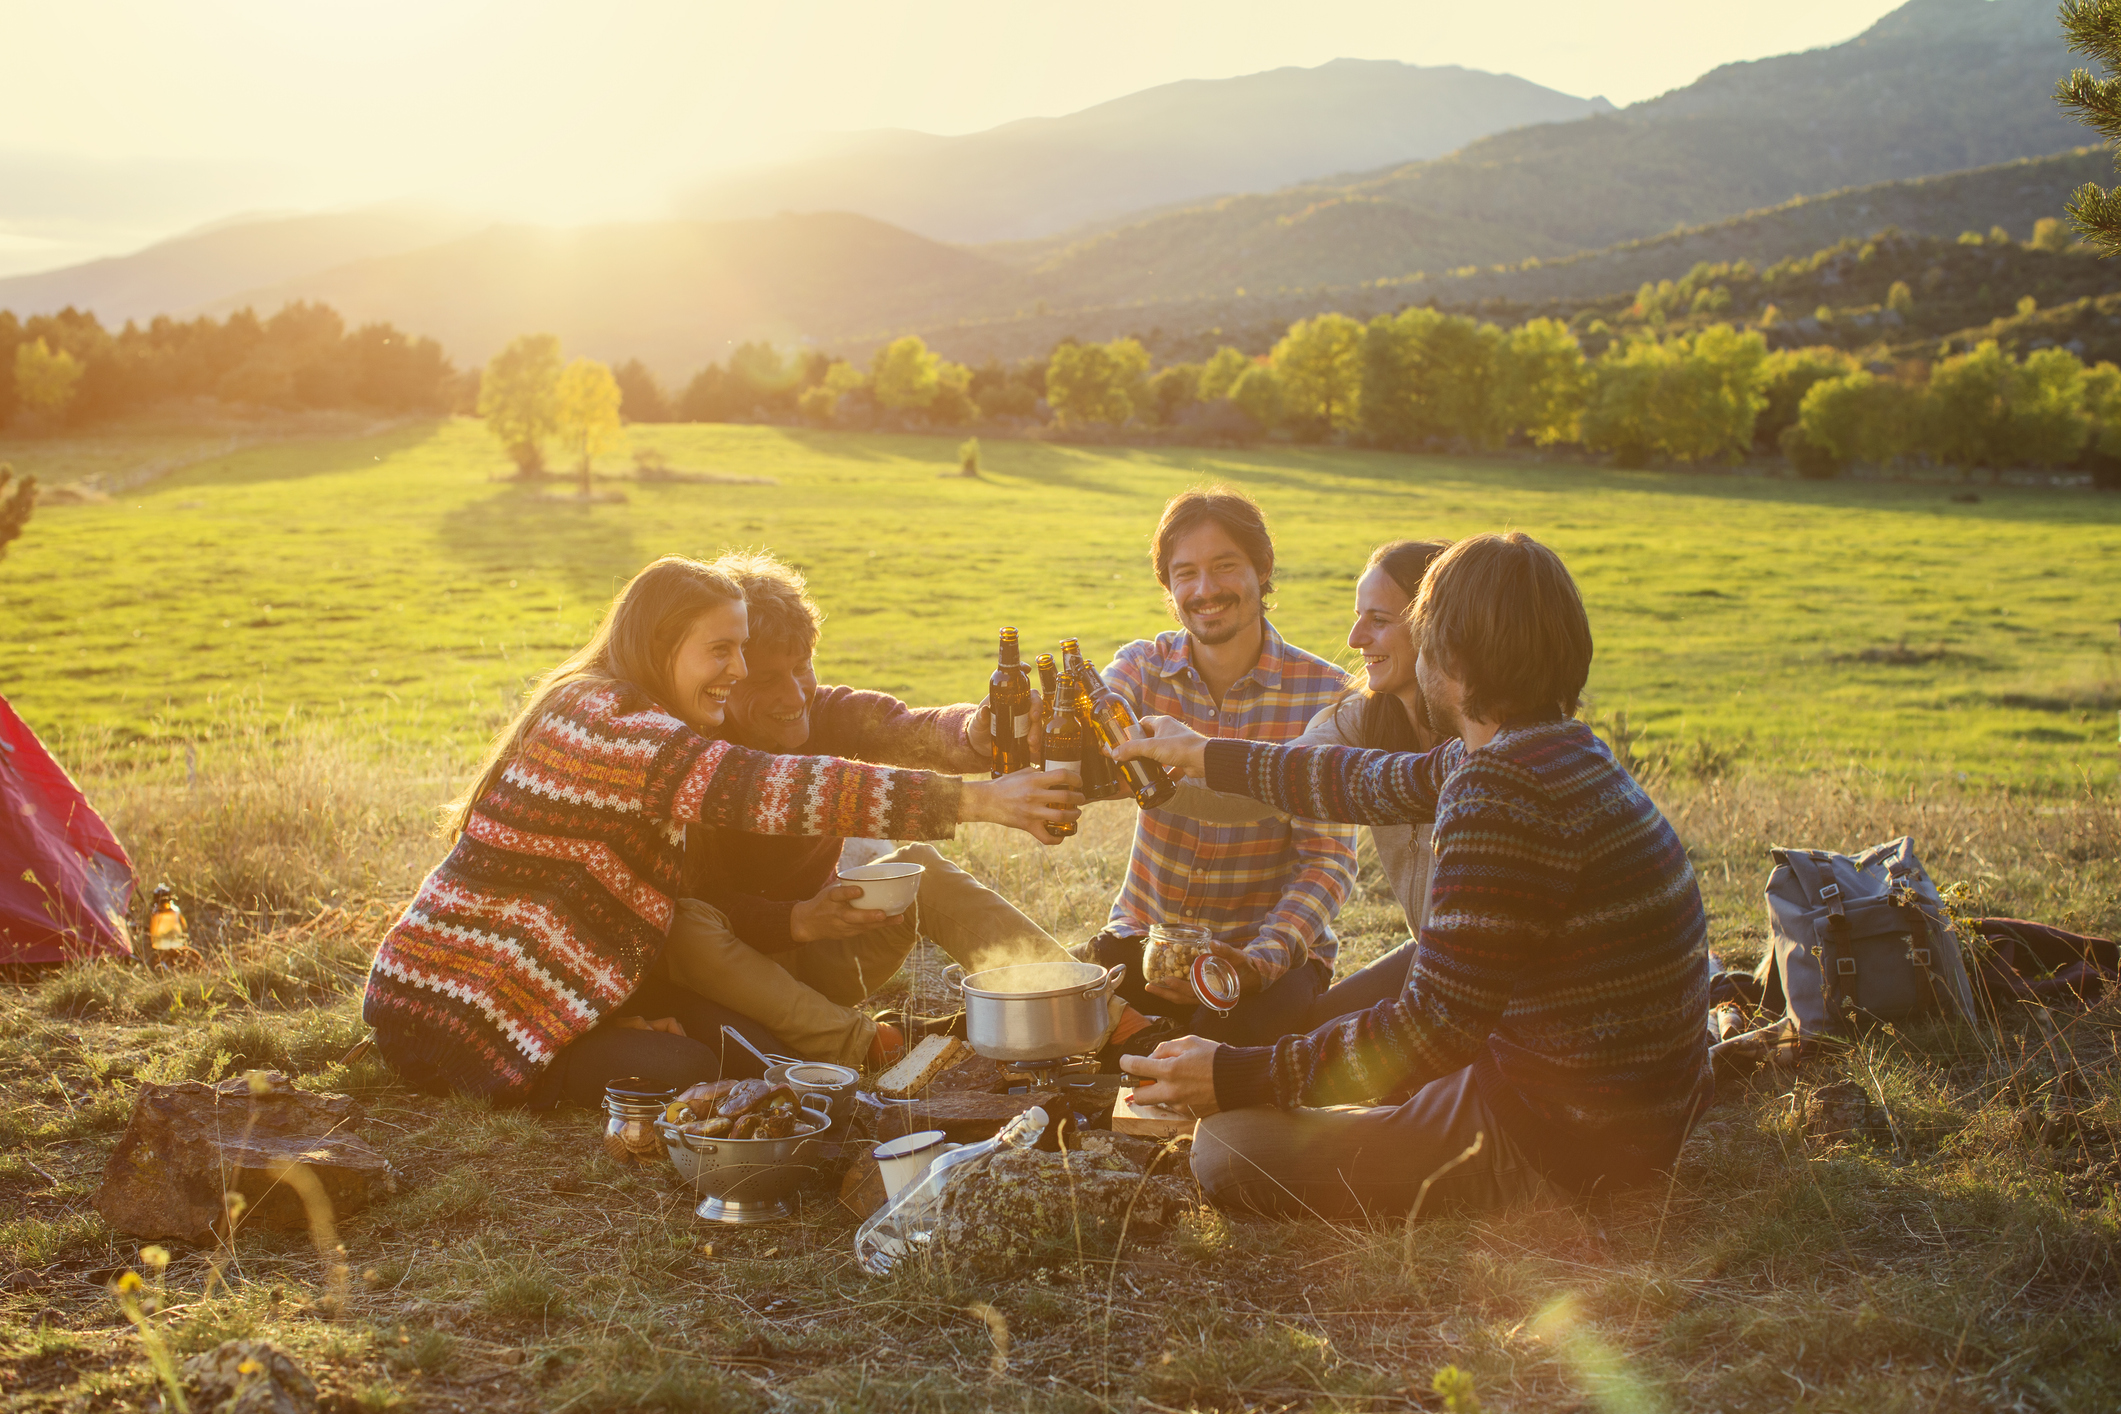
1184, 953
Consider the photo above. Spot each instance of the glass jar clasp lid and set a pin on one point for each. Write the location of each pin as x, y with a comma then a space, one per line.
1215, 983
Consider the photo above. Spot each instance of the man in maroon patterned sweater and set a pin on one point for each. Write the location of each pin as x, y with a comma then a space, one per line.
764, 928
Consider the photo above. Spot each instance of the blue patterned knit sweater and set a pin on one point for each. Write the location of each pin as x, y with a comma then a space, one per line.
1565, 957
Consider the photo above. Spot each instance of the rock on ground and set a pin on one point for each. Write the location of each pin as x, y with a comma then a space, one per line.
1030, 1209
189, 1144
1843, 1110
248, 1377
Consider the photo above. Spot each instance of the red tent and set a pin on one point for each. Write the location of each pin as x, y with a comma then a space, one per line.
65, 883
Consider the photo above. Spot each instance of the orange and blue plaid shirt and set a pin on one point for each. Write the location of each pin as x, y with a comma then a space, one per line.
1270, 887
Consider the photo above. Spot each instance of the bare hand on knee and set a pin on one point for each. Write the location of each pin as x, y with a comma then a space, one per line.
1183, 1072
828, 916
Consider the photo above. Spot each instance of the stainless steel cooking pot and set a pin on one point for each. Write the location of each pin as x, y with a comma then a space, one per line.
744, 1180
1037, 1011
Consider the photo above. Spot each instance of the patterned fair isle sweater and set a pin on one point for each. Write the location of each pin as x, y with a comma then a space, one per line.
757, 880
556, 899
1564, 958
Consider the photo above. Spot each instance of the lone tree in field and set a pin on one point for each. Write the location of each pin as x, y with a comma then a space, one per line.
2094, 30
906, 375
518, 397
17, 500
586, 411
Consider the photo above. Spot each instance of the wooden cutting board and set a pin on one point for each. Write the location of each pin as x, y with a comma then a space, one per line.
1151, 1121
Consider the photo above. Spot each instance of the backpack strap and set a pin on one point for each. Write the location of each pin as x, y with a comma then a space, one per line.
1921, 933
1837, 965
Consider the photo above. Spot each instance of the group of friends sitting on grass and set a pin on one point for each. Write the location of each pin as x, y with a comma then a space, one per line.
649, 854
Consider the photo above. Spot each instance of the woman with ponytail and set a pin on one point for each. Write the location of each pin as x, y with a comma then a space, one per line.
526, 969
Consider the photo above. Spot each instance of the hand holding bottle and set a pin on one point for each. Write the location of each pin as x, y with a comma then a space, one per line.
1168, 742
1025, 800
979, 732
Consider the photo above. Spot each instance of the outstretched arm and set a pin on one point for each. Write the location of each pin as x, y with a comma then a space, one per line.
875, 726
1318, 782
610, 747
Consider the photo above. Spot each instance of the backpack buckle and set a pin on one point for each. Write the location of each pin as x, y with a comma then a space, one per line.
1920, 955
1846, 966
1830, 891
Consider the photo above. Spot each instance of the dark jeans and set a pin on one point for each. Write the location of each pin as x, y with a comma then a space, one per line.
579, 1073
1259, 1019
1442, 1150
1382, 980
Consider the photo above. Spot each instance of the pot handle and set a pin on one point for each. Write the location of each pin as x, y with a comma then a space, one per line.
954, 978
1109, 983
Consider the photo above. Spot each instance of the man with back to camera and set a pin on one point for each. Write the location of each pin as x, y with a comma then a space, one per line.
1268, 889
765, 928
1554, 1022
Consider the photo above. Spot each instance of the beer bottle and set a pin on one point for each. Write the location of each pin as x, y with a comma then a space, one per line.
1101, 779
1009, 701
1064, 733
166, 932
1149, 783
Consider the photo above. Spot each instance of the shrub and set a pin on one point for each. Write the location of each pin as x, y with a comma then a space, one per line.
1097, 382
1258, 396
18, 497
1806, 457
1859, 417
1690, 399
1788, 375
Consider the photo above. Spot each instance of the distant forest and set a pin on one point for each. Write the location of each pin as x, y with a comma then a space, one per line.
67, 370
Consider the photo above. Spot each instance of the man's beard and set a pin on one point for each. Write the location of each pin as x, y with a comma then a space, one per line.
1231, 604
1440, 721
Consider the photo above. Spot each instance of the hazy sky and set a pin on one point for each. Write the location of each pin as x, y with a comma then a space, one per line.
131, 119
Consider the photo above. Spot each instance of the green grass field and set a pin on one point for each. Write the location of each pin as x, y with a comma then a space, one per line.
400, 578
1965, 1257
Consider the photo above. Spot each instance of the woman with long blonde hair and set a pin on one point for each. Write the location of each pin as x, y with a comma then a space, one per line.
526, 967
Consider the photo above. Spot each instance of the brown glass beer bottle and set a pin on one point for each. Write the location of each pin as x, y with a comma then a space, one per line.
1101, 779
1009, 701
1063, 732
1149, 783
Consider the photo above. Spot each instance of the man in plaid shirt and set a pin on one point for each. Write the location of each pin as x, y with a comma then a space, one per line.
1268, 890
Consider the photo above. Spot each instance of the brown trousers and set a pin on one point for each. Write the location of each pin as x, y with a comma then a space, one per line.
808, 995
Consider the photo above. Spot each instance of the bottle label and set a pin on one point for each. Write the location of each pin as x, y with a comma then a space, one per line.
1023, 725
1075, 766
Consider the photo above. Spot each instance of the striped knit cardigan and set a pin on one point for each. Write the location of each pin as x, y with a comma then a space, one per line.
555, 901
1564, 958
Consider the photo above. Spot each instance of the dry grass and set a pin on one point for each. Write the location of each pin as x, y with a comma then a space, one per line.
266, 817
1967, 1260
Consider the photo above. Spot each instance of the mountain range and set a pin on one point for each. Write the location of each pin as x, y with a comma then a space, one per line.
1176, 142
1935, 86
1458, 178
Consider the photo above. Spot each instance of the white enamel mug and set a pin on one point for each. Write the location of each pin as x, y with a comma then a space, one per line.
904, 1161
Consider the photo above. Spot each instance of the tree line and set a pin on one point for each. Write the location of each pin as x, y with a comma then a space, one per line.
1426, 380
67, 369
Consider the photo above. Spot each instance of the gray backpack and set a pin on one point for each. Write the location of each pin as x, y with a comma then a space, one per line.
1858, 940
